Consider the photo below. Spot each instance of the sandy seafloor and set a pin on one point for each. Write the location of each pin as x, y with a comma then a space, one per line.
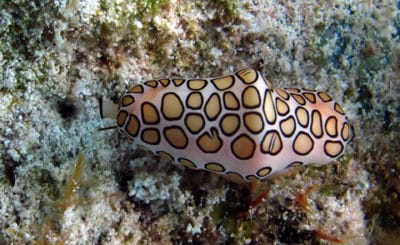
58, 57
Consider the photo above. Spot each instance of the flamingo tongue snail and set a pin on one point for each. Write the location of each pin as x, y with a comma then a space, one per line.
238, 125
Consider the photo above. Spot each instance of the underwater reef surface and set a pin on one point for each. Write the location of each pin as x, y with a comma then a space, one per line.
63, 181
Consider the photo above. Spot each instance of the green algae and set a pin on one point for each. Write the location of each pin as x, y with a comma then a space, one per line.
375, 56
224, 215
31, 32
229, 8
143, 7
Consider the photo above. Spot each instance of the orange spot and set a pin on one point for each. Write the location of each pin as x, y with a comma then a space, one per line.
321, 234
241, 215
259, 199
73, 185
302, 199
253, 204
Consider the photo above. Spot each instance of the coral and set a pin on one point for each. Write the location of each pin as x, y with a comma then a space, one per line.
57, 57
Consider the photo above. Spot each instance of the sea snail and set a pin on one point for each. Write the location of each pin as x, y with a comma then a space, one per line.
238, 125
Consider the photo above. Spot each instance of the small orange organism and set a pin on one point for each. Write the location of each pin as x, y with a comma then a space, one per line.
67, 200
321, 234
72, 186
302, 203
302, 199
